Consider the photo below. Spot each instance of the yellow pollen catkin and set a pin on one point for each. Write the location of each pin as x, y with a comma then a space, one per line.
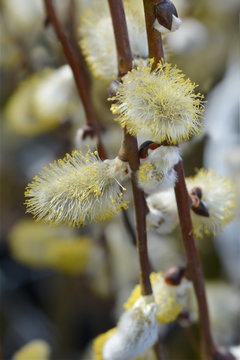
218, 196
164, 296
77, 189
160, 103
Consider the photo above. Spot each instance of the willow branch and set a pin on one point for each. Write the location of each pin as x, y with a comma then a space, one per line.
154, 37
121, 36
194, 270
182, 198
78, 77
129, 150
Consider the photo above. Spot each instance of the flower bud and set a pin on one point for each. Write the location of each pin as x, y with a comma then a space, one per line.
167, 17
174, 275
143, 151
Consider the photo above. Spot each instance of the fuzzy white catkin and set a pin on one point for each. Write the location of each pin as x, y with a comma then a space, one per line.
219, 197
158, 181
162, 104
156, 172
78, 189
136, 332
162, 215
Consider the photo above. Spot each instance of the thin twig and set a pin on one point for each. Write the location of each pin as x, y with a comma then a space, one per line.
129, 150
79, 78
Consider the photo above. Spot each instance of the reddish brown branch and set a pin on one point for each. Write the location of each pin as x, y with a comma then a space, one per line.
129, 150
194, 270
121, 36
154, 37
79, 78
193, 264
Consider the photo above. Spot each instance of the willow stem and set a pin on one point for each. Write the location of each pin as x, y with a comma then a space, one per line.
194, 270
155, 46
79, 78
129, 150
182, 199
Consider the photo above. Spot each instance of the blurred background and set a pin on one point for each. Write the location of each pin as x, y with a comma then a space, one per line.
67, 286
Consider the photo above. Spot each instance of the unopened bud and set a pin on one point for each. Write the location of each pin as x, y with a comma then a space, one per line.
197, 191
174, 275
197, 205
167, 17
143, 150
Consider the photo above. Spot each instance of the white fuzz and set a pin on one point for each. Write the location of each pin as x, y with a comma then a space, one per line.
137, 331
162, 215
160, 104
53, 98
176, 23
98, 42
78, 189
169, 299
156, 172
219, 197
152, 181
